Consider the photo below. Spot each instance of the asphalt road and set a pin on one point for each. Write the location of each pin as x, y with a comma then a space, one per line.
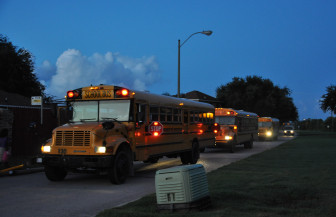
84, 195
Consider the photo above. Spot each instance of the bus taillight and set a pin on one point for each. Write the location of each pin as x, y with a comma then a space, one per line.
216, 128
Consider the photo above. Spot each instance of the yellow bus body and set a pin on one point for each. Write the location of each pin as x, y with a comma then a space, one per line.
96, 144
236, 127
268, 128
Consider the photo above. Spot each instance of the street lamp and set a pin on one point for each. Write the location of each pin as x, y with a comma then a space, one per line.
208, 33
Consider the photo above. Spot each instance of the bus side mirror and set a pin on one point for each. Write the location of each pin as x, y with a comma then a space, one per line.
138, 124
108, 125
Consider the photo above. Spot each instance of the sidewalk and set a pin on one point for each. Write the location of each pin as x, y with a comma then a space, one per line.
21, 166
22, 171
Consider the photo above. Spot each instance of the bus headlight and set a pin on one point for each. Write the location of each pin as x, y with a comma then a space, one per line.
228, 137
292, 131
100, 149
268, 133
46, 148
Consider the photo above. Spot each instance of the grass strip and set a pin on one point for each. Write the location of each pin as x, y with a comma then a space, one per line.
297, 178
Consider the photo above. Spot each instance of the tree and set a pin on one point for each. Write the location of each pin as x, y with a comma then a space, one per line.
258, 95
16, 70
328, 102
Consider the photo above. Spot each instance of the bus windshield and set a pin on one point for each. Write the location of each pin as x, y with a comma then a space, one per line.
223, 120
265, 124
101, 110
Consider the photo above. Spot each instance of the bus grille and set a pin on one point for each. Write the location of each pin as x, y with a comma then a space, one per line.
73, 138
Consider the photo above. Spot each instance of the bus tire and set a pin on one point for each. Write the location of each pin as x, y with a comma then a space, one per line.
248, 145
195, 152
55, 174
120, 169
233, 145
192, 156
233, 148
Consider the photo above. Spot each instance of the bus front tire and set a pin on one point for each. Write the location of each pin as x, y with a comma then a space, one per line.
119, 171
55, 174
248, 145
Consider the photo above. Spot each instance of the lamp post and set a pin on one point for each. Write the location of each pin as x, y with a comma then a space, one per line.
208, 33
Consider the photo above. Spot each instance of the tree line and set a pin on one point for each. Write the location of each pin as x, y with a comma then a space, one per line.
16, 68
258, 95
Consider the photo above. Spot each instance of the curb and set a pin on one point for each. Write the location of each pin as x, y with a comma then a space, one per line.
22, 171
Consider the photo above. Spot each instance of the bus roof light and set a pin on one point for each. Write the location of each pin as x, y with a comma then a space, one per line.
122, 92
70, 94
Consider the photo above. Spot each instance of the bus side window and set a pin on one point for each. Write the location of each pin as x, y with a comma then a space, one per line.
141, 113
185, 117
191, 117
154, 113
177, 115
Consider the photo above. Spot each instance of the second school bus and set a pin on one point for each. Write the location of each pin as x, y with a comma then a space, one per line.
235, 127
113, 126
268, 128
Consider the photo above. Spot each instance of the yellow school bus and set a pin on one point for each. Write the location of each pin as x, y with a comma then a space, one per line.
268, 128
113, 126
235, 127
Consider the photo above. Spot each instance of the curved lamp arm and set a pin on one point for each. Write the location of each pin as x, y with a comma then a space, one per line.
208, 33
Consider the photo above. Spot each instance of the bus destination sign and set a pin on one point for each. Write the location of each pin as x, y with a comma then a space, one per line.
97, 94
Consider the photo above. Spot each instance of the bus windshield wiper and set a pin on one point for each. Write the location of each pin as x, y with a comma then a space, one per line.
87, 119
113, 119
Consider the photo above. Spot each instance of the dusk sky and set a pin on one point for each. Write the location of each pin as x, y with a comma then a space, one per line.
134, 44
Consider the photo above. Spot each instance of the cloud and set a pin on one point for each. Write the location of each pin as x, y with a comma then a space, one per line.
74, 70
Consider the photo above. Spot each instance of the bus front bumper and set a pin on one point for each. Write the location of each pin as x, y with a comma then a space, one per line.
223, 143
74, 161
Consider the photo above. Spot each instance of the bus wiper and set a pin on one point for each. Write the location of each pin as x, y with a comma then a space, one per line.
87, 119
113, 119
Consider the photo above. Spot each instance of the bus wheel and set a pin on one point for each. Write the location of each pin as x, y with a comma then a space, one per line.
233, 148
195, 153
248, 144
55, 173
191, 156
119, 171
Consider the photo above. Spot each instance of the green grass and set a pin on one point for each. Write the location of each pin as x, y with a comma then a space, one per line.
298, 178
